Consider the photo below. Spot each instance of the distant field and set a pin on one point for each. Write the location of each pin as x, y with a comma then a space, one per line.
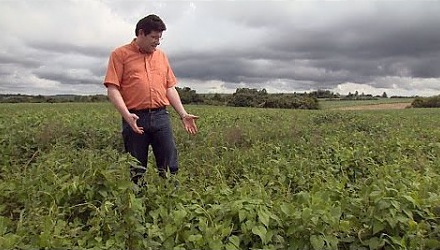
327, 104
252, 178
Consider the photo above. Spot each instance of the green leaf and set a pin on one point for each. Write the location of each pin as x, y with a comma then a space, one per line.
398, 241
378, 226
179, 215
306, 214
215, 244
170, 229
410, 199
344, 225
336, 212
375, 194
317, 242
242, 215
260, 231
230, 246
332, 241
286, 208
109, 243
4, 222
432, 244
383, 204
264, 217
123, 185
235, 240
375, 243
195, 237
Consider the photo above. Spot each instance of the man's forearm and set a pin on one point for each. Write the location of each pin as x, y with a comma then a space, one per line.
174, 98
115, 97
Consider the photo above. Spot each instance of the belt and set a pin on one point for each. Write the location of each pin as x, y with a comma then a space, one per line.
146, 110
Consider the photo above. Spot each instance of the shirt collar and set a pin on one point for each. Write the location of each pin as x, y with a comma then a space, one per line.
135, 46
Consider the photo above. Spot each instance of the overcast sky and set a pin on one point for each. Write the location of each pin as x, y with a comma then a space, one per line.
62, 47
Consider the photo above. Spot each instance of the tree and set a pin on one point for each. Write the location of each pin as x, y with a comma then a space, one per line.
187, 95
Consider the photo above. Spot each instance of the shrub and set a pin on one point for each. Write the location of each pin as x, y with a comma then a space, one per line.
426, 102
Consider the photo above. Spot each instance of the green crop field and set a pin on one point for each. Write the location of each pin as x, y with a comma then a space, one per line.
251, 179
335, 103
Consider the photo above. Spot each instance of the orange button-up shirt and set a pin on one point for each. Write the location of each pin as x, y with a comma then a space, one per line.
142, 79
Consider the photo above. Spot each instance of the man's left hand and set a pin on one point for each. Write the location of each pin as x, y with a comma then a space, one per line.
189, 122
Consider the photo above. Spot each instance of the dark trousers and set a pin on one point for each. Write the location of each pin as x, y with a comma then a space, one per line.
159, 134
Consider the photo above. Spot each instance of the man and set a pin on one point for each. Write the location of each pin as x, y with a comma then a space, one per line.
141, 84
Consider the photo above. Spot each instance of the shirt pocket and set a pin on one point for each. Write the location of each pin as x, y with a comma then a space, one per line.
159, 73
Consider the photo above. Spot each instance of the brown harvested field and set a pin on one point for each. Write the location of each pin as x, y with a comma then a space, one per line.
377, 106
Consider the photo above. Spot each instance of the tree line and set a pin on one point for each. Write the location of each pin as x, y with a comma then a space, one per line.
18, 98
243, 97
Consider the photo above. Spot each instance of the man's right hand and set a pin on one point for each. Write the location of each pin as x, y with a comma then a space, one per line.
132, 121
115, 97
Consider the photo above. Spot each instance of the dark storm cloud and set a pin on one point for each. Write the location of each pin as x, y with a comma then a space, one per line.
208, 67
242, 66
70, 64
390, 39
62, 63
71, 48
282, 45
9, 59
368, 52
71, 76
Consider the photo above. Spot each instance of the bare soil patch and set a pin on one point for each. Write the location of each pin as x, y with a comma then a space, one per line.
381, 106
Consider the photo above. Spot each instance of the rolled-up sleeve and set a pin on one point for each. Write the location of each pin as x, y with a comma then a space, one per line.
171, 80
114, 70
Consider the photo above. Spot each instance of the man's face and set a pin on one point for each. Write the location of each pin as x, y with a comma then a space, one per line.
149, 42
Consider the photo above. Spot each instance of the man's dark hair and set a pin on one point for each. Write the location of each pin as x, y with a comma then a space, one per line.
150, 23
